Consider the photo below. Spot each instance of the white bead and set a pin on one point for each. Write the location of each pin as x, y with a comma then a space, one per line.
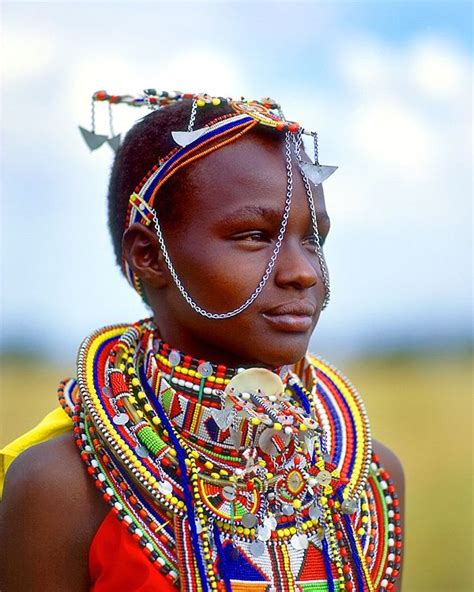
207, 390
109, 491
391, 542
384, 583
388, 499
389, 570
383, 484
149, 546
188, 384
391, 527
94, 463
101, 477
391, 556
118, 506
127, 519
391, 513
161, 561
138, 532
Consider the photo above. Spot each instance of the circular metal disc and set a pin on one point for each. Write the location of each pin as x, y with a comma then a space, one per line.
287, 509
174, 358
205, 369
249, 520
253, 379
120, 419
323, 477
141, 451
257, 548
229, 493
264, 533
315, 512
165, 487
271, 522
295, 542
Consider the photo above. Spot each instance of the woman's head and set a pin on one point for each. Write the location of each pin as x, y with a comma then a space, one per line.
220, 217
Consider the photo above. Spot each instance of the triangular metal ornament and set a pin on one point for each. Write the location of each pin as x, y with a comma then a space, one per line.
223, 417
185, 138
92, 139
114, 142
317, 173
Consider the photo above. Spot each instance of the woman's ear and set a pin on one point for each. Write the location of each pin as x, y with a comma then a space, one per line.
142, 251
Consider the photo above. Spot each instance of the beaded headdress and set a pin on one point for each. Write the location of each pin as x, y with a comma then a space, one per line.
192, 144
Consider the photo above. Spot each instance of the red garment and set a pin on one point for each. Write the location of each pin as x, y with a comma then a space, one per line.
116, 562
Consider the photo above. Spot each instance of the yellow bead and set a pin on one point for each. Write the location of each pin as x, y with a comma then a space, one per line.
361, 531
255, 421
365, 507
135, 382
323, 500
269, 475
303, 427
208, 464
200, 103
155, 420
292, 530
219, 380
194, 454
246, 531
147, 407
277, 426
216, 101
296, 504
172, 452
240, 530
215, 475
365, 519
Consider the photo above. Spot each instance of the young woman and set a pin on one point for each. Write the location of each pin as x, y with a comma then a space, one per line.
204, 448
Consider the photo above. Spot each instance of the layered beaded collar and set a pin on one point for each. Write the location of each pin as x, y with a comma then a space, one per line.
234, 465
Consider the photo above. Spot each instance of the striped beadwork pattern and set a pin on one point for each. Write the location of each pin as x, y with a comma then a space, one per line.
164, 478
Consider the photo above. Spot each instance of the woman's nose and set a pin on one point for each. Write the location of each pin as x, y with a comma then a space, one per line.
297, 265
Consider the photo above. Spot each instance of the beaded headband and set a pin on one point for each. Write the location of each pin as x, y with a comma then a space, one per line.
193, 144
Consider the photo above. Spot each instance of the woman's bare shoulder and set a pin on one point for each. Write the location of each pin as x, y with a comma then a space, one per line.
49, 514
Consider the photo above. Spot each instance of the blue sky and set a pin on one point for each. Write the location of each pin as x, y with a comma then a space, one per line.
386, 84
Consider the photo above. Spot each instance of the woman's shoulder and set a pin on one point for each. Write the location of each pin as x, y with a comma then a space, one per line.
49, 513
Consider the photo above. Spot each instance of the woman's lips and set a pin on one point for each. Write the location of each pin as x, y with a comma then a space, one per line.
293, 316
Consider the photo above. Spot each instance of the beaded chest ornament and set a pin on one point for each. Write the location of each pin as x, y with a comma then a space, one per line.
193, 144
235, 480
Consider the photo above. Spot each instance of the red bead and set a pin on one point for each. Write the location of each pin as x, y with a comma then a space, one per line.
349, 586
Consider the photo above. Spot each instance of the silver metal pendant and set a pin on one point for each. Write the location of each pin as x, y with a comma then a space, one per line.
317, 173
229, 493
264, 532
165, 487
120, 419
249, 520
271, 522
185, 138
141, 451
315, 512
253, 380
323, 477
287, 510
257, 548
349, 506
114, 142
92, 139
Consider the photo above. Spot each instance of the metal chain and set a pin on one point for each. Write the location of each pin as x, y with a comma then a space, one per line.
111, 123
192, 117
271, 263
316, 147
297, 139
93, 115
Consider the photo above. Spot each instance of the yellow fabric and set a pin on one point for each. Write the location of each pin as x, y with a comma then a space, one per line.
55, 423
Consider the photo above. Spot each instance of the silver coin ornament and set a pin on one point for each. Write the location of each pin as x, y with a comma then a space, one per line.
165, 487
315, 512
264, 533
271, 522
198, 524
141, 451
120, 419
205, 369
249, 520
298, 543
174, 358
349, 506
229, 493
287, 510
323, 477
257, 548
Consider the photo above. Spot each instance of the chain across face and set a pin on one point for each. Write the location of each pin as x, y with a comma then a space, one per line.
281, 234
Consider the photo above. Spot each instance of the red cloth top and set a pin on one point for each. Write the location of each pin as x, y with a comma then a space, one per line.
116, 562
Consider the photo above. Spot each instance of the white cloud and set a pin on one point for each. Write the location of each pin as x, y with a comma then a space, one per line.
438, 69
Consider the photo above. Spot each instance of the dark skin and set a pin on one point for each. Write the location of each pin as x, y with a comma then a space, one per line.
220, 246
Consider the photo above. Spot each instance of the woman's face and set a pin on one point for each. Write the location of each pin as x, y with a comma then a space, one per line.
220, 245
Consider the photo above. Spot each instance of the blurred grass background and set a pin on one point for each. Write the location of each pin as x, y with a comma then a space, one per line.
420, 405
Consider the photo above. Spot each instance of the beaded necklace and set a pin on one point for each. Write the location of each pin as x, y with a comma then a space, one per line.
234, 479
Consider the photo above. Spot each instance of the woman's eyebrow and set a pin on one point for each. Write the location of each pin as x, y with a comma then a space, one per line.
253, 212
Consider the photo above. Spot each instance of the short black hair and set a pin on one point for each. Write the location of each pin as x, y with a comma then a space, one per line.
146, 142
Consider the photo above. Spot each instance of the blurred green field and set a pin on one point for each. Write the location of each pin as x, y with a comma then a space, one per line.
419, 406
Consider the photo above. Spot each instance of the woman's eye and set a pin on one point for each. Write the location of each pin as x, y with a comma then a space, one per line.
313, 240
254, 236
